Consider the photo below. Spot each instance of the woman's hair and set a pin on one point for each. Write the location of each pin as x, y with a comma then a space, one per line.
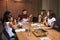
5, 16
24, 10
43, 15
9, 18
52, 14
6, 13
44, 12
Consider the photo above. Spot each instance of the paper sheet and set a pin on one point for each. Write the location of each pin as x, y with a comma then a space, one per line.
45, 38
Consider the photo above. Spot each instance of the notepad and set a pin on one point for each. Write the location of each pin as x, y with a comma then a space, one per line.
20, 24
35, 24
45, 38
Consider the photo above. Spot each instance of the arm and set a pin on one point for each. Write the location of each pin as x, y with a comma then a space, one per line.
52, 25
30, 17
45, 21
13, 26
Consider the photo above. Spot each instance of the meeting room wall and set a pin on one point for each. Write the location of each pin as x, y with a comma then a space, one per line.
33, 6
59, 8
14, 7
2, 7
50, 5
54, 6
45, 4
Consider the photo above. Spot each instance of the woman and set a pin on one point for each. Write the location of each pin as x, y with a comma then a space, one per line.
8, 26
41, 16
50, 20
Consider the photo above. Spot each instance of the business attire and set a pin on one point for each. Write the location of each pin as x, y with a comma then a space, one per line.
8, 29
53, 19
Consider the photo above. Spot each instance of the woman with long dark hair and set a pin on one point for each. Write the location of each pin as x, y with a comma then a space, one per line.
9, 28
50, 20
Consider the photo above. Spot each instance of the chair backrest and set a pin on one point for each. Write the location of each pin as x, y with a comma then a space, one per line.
35, 19
58, 22
5, 32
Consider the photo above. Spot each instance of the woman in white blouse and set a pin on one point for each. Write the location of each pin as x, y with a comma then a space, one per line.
50, 20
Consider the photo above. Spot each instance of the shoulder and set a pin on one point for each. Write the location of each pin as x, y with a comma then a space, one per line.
6, 23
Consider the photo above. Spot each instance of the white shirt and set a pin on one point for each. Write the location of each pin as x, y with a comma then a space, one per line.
49, 21
8, 29
6, 24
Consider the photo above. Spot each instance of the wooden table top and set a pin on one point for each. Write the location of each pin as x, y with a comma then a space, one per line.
52, 34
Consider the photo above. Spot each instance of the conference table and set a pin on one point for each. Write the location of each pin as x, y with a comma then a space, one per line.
52, 34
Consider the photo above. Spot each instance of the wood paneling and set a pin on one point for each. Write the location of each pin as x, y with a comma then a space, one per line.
16, 7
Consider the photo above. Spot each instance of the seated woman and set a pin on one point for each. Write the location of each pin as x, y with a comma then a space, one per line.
50, 20
8, 26
41, 16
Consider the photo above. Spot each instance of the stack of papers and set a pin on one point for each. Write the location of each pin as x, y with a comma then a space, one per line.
37, 24
45, 38
25, 20
20, 24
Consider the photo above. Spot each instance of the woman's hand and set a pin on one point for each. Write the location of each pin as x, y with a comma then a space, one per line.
15, 27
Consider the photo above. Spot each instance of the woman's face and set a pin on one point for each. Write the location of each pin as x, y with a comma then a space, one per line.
24, 12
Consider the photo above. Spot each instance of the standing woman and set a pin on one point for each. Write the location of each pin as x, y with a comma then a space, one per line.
51, 20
